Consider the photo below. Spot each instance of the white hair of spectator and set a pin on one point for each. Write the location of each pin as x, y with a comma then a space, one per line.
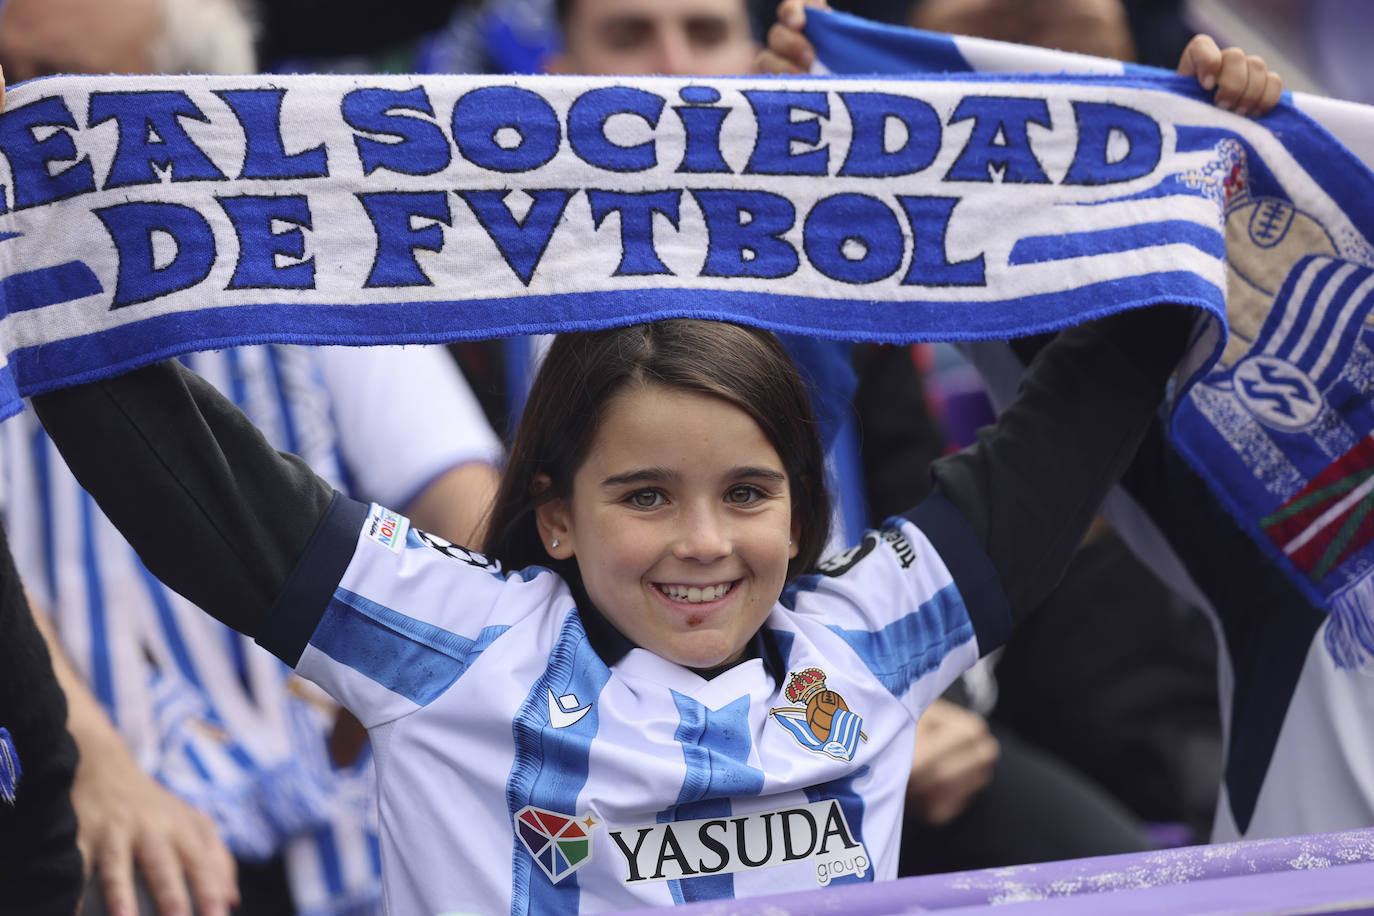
204, 36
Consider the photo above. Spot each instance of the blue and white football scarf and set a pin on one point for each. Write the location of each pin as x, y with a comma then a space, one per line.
142, 217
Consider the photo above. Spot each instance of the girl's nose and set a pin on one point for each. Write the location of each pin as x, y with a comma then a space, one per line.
702, 537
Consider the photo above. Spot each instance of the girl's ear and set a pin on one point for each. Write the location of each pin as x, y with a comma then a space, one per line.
794, 539
554, 520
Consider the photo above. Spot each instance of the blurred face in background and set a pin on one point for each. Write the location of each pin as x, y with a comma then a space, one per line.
43, 37
642, 37
1097, 27
46, 37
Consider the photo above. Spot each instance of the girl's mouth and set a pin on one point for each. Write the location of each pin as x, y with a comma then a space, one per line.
695, 594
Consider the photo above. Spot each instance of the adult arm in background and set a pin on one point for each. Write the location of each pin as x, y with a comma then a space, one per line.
953, 761
413, 436
126, 818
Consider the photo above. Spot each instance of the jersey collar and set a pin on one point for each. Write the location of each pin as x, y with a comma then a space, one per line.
612, 645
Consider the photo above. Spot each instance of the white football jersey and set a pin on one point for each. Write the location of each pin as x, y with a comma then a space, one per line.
523, 770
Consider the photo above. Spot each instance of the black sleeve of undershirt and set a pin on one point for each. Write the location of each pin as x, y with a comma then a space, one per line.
1032, 483
212, 509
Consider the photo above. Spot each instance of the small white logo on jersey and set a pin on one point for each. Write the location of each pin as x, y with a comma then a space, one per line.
564, 711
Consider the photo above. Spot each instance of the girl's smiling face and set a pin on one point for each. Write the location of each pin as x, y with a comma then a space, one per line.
680, 520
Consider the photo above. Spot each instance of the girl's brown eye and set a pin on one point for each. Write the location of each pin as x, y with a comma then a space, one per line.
645, 499
743, 494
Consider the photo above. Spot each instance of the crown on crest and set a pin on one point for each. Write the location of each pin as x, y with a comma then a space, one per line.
804, 684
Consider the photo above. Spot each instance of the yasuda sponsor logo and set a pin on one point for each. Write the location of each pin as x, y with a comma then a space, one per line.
816, 832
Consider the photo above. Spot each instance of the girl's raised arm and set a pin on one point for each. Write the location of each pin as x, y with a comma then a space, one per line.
212, 509
1033, 483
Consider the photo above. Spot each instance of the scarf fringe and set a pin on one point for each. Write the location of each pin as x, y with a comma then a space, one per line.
1350, 631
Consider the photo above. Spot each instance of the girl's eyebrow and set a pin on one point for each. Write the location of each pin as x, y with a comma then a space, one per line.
658, 475
639, 475
757, 473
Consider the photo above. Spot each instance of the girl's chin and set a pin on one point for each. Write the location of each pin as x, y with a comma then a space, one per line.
702, 658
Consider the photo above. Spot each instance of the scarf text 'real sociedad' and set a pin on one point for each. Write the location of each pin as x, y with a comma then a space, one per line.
148, 216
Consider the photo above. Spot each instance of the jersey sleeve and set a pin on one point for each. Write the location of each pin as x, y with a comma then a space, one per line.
916, 601
387, 618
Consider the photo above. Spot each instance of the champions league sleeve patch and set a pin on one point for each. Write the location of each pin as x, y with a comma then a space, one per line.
451, 550
387, 528
845, 560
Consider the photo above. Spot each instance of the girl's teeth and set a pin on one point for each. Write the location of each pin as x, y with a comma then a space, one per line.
694, 594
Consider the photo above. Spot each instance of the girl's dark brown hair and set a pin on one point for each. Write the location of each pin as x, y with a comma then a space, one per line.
582, 372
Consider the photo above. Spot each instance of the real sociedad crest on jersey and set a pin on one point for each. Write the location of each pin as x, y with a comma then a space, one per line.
821, 721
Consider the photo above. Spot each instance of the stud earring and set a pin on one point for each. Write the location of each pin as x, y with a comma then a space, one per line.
555, 543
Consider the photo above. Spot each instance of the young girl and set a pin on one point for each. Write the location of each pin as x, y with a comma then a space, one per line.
652, 700
657, 696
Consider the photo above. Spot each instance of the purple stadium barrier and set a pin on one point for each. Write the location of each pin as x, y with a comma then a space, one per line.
1320, 873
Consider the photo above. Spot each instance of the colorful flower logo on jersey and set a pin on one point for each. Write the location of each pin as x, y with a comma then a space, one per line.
822, 721
559, 844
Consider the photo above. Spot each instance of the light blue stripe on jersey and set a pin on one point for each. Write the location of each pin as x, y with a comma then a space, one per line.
163, 607
102, 670
905, 650
551, 764
415, 659
852, 804
197, 764
238, 382
38, 448
715, 747
328, 850
186, 667
238, 393
288, 417
374, 852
